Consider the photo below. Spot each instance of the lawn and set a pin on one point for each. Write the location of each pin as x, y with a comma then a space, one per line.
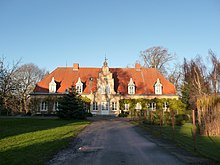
35, 141
208, 147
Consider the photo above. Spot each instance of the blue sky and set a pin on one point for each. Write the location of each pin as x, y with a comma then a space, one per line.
52, 33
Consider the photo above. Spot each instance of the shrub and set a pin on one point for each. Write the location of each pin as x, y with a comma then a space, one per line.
28, 113
89, 114
71, 106
167, 118
180, 119
123, 114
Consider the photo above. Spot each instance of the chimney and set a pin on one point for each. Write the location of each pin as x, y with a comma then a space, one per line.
138, 67
75, 67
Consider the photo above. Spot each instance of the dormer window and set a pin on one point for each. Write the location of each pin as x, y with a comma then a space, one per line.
131, 87
158, 87
52, 86
79, 86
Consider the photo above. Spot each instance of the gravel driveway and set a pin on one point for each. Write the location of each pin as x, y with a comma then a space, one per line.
113, 142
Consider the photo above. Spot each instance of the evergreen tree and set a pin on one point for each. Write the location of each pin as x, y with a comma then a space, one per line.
71, 106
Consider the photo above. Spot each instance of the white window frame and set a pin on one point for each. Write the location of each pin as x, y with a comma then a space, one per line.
52, 86
79, 86
95, 106
105, 106
126, 107
44, 106
138, 106
55, 106
158, 87
152, 106
131, 87
165, 107
79, 89
114, 106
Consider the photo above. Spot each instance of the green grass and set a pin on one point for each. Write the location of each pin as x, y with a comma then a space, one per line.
34, 141
208, 147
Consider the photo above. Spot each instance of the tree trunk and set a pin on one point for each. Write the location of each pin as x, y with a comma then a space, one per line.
173, 124
194, 129
145, 115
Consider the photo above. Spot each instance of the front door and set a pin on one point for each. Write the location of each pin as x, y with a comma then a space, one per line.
105, 108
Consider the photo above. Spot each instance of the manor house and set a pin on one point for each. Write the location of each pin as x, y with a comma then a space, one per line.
103, 86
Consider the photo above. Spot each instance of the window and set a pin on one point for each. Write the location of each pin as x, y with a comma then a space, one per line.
107, 89
79, 86
105, 106
79, 89
102, 89
126, 107
131, 87
138, 106
152, 106
165, 106
56, 104
158, 87
85, 107
52, 86
95, 106
44, 106
114, 106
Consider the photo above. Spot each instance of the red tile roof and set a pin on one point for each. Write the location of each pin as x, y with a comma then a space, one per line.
144, 79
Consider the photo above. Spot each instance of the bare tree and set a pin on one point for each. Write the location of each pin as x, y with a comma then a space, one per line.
156, 57
26, 76
176, 77
7, 84
196, 81
215, 72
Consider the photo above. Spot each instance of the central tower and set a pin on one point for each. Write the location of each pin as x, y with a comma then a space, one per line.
105, 88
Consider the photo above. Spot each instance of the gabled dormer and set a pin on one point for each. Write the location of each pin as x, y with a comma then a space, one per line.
52, 86
79, 86
158, 87
131, 87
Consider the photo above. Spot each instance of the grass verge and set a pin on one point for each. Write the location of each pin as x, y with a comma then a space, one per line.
34, 141
208, 147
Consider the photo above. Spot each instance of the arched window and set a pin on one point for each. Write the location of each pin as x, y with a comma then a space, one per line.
79, 86
131, 87
158, 87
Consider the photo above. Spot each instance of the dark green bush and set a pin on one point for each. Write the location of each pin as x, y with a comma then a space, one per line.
167, 118
71, 106
180, 119
123, 114
89, 114
28, 113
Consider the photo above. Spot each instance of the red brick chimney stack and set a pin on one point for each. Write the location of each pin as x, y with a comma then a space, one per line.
138, 67
75, 66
